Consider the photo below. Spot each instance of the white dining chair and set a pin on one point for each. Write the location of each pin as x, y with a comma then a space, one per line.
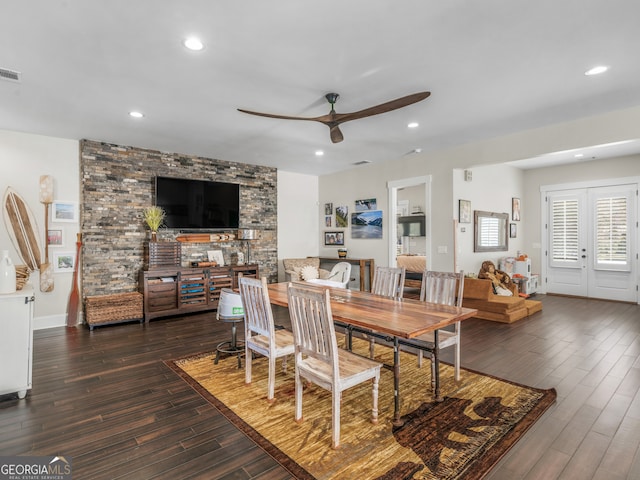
260, 334
444, 288
318, 358
388, 282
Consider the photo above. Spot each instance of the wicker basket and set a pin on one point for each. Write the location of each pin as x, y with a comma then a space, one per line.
116, 308
22, 276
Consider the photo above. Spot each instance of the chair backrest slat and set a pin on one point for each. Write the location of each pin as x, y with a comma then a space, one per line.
445, 288
389, 282
312, 324
258, 315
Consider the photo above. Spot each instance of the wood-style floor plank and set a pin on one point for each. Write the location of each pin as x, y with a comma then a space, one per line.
107, 400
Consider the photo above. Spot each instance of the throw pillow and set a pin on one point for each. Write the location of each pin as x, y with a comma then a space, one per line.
308, 272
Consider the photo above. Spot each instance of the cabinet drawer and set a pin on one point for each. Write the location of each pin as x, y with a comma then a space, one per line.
166, 288
161, 302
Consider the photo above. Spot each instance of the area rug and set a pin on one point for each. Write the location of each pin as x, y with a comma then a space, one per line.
462, 437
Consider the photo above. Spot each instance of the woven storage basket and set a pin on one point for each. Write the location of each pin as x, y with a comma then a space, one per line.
116, 308
22, 276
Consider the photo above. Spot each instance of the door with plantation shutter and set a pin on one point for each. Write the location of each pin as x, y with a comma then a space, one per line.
592, 242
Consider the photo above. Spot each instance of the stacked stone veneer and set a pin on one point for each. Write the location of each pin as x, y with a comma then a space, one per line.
118, 183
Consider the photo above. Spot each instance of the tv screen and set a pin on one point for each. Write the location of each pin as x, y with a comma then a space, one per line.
411, 226
198, 204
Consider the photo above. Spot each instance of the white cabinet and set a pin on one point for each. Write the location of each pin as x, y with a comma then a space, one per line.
16, 341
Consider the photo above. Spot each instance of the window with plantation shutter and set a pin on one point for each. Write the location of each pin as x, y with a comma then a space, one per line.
611, 232
565, 231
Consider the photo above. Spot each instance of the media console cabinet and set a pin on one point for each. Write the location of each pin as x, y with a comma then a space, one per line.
176, 290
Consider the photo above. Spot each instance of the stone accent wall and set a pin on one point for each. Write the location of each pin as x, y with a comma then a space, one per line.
117, 184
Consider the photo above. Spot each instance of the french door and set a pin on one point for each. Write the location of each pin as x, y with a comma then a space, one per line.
592, 242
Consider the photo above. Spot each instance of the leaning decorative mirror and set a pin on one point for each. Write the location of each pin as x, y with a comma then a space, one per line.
491, 231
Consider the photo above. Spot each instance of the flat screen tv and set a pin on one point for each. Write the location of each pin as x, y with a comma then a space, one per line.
198, 204
411, 226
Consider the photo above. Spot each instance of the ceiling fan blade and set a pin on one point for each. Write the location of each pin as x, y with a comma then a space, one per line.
321, 119
382, 108
336, 134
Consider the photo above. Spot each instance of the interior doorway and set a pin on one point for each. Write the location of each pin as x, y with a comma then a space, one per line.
393, 188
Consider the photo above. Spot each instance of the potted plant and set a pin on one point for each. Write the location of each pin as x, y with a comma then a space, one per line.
153, 216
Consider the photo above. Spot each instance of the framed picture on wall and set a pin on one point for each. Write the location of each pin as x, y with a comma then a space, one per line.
342, 218
515, 209
328, 208
63, 261
513, 230
464, 211
62, 211
55, 238
334, 239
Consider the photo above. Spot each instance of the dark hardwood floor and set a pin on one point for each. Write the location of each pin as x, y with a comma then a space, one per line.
106, 399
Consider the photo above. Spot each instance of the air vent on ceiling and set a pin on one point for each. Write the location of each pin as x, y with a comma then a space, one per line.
11, 75
362, 162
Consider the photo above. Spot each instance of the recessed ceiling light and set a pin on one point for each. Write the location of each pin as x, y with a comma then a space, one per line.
578, 155
135, 114
319, 153
413, 125
596, 70
193, 43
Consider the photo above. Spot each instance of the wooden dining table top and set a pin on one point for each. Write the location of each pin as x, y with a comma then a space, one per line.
405, 318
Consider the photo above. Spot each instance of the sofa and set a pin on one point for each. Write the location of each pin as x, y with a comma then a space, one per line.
478, 294
293, 266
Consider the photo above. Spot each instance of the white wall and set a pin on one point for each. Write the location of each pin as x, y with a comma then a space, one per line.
24, 158
491, 189
298, 213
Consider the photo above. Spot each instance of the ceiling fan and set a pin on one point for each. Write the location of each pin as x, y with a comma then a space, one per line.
333, 119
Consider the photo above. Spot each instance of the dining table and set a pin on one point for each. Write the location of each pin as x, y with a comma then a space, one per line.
394, 320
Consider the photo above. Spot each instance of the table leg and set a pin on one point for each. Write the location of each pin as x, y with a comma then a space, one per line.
397, 422
436, 363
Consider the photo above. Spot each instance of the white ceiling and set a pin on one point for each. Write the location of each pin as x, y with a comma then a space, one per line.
494, 67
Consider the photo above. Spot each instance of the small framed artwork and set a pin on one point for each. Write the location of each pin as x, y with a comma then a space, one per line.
328, 208
334, 239
366, 204
342, 216
216, 256
327, 221
64, 261
62, 211
515, 209
464, 211
55, 238
513, 230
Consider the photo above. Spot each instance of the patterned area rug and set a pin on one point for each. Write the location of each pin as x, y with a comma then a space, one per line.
460, 438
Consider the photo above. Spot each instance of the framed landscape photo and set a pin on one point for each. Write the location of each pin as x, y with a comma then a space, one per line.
334, 239
63, 211
64, 261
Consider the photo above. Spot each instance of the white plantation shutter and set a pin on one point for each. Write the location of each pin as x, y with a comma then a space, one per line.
565, 229
490, 232
612, 249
